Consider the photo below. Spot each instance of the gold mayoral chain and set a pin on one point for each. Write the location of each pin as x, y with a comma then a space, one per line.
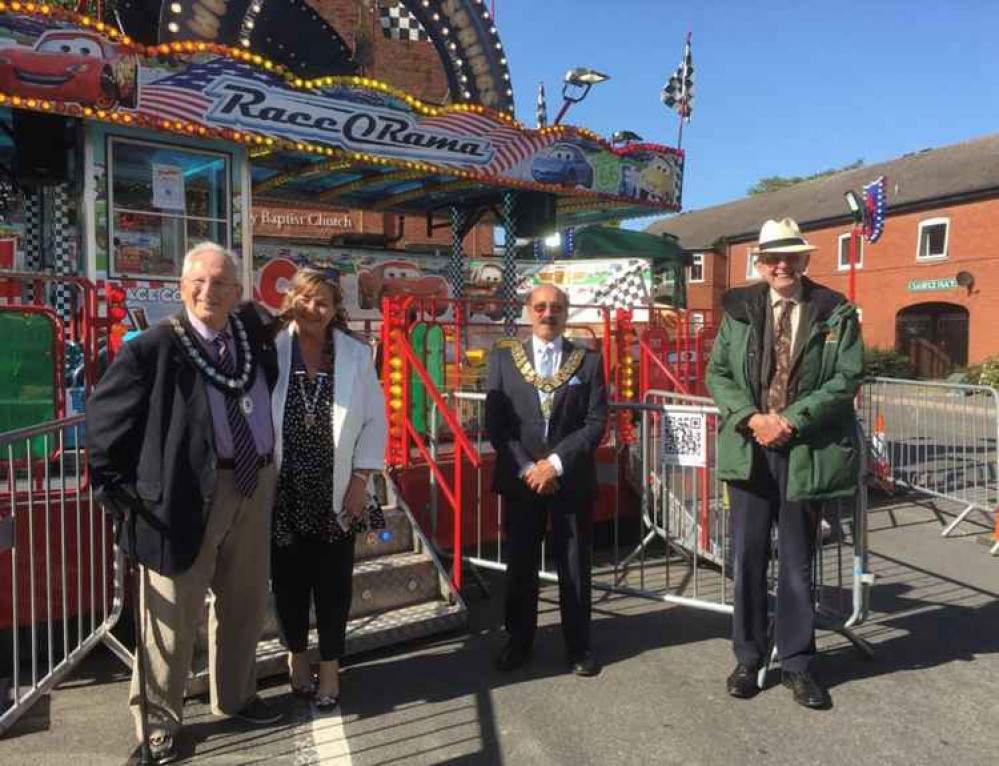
543, 384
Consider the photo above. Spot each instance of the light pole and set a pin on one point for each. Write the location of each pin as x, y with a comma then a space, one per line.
857, 212
576, 86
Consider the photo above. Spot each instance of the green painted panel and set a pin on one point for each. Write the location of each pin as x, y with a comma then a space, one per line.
417, 391
27, 374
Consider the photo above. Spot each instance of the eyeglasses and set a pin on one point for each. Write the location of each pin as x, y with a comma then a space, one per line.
554, 308
211, 284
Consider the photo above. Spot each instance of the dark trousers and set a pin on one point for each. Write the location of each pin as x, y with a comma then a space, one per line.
526, 518
756, 505
313, 572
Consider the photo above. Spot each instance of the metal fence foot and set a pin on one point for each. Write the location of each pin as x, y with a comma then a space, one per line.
960, 517
862, 646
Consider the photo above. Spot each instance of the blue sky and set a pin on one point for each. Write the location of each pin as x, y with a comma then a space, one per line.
783, 88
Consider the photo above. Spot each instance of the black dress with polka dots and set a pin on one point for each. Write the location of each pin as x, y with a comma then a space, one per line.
303, 508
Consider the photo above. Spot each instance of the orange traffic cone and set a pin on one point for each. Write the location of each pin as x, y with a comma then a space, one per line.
880, 467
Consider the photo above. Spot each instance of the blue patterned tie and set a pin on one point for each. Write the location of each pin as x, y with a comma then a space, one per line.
244, 449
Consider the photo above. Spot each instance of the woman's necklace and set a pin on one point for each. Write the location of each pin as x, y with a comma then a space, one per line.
310, 405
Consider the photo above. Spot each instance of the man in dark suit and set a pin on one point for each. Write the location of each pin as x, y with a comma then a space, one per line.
180, 438
545, 415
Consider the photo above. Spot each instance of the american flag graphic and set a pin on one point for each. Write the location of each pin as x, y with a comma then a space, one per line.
511, 145
181, 97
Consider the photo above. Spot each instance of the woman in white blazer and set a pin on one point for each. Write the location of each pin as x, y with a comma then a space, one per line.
329, 428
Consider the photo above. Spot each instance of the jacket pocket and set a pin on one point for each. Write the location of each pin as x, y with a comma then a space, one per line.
825, 470
149, 490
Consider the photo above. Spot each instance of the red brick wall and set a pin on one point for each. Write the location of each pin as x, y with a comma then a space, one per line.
890, 265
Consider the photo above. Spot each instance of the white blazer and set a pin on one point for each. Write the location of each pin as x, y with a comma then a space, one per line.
359, 426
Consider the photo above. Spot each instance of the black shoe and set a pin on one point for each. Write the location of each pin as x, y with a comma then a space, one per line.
512, 657
584, 665
806, 690
259, 712
742, 682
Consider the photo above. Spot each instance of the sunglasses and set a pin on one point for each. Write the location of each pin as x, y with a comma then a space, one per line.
772, 259
541, 308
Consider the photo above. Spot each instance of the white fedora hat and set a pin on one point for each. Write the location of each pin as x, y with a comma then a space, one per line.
782, 236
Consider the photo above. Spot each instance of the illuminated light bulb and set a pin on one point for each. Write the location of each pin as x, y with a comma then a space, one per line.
176, 8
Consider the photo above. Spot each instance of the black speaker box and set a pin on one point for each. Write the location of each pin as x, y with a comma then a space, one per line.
41, 147
534, 214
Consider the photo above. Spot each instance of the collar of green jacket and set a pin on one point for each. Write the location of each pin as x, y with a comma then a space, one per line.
746, 304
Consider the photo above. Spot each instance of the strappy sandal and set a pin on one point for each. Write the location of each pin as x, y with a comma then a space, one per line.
304, 692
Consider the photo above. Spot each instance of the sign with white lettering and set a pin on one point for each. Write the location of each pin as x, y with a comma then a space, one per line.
929, 285
299, 223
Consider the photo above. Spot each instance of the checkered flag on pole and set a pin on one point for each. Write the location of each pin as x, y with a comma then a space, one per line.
542, 106
399, 24
678, 93
626, 287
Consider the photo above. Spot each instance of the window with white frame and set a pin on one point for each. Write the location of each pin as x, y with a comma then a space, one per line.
934, 234
163, 199
843, 262
751, 265
695, 272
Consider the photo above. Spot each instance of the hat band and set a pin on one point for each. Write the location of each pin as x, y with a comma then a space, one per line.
781, 243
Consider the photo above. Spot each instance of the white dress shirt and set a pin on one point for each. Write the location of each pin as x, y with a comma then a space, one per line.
539, 347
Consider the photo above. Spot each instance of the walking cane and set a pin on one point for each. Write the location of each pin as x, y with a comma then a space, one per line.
128, 514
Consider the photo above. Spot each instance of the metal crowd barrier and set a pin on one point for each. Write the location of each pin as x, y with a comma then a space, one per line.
941, 439
663, 515
60, 575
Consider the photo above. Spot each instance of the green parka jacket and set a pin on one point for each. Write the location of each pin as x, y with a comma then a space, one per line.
826, 370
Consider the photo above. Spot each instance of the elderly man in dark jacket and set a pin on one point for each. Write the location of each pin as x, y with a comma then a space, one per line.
784, 371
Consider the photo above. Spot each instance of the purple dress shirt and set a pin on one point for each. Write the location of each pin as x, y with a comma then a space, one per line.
259, 420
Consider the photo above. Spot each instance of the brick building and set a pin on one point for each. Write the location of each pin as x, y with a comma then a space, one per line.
928, 287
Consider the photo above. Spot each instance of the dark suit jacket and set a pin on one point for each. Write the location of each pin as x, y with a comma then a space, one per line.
516, 427
149, 431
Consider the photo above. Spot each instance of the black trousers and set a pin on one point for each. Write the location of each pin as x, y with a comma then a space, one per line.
756, 506
313, 572
526, 517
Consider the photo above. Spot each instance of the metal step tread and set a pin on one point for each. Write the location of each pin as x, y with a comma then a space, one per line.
389, 561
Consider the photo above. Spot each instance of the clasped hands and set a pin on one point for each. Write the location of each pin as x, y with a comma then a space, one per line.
542, 478
770, 430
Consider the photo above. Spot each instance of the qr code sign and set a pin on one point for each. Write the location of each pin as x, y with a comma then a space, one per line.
684, 439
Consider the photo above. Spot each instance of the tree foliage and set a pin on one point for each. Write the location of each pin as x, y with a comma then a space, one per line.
773, 183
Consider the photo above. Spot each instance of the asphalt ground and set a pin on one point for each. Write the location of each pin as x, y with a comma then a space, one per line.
928, 697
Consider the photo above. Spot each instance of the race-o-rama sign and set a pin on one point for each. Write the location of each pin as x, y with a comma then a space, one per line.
241, 103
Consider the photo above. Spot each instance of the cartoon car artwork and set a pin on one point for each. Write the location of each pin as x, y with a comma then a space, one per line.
563, 164
71, 65
629, 181
399, 278
656, 180
483, 290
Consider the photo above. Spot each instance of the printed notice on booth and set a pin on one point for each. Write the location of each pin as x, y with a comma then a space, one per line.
684, 439
168, 187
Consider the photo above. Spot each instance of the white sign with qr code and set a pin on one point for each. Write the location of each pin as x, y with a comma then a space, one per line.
684, 439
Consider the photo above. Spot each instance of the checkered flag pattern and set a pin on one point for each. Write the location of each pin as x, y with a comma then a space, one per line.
508, 288
399, 24
32, 241
455, 265
62, 293
542, 113
678, 93
625, 288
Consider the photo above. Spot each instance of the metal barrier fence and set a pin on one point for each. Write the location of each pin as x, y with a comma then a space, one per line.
60, 575
662, 516
941, 439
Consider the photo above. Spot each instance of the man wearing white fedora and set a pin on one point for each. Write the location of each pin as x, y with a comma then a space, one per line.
784, 370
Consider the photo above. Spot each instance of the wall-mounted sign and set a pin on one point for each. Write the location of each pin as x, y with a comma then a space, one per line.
299, 223
929, 285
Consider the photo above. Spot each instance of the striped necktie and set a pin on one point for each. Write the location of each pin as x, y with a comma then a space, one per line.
243, 447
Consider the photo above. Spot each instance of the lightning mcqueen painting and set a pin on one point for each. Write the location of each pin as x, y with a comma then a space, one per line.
74, 66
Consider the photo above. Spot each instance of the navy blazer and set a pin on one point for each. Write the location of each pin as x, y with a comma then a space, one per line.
516, 427
149, 432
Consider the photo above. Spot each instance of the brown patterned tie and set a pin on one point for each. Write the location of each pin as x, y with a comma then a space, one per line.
777, 394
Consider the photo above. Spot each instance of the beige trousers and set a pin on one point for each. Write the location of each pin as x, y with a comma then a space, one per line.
234, 563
